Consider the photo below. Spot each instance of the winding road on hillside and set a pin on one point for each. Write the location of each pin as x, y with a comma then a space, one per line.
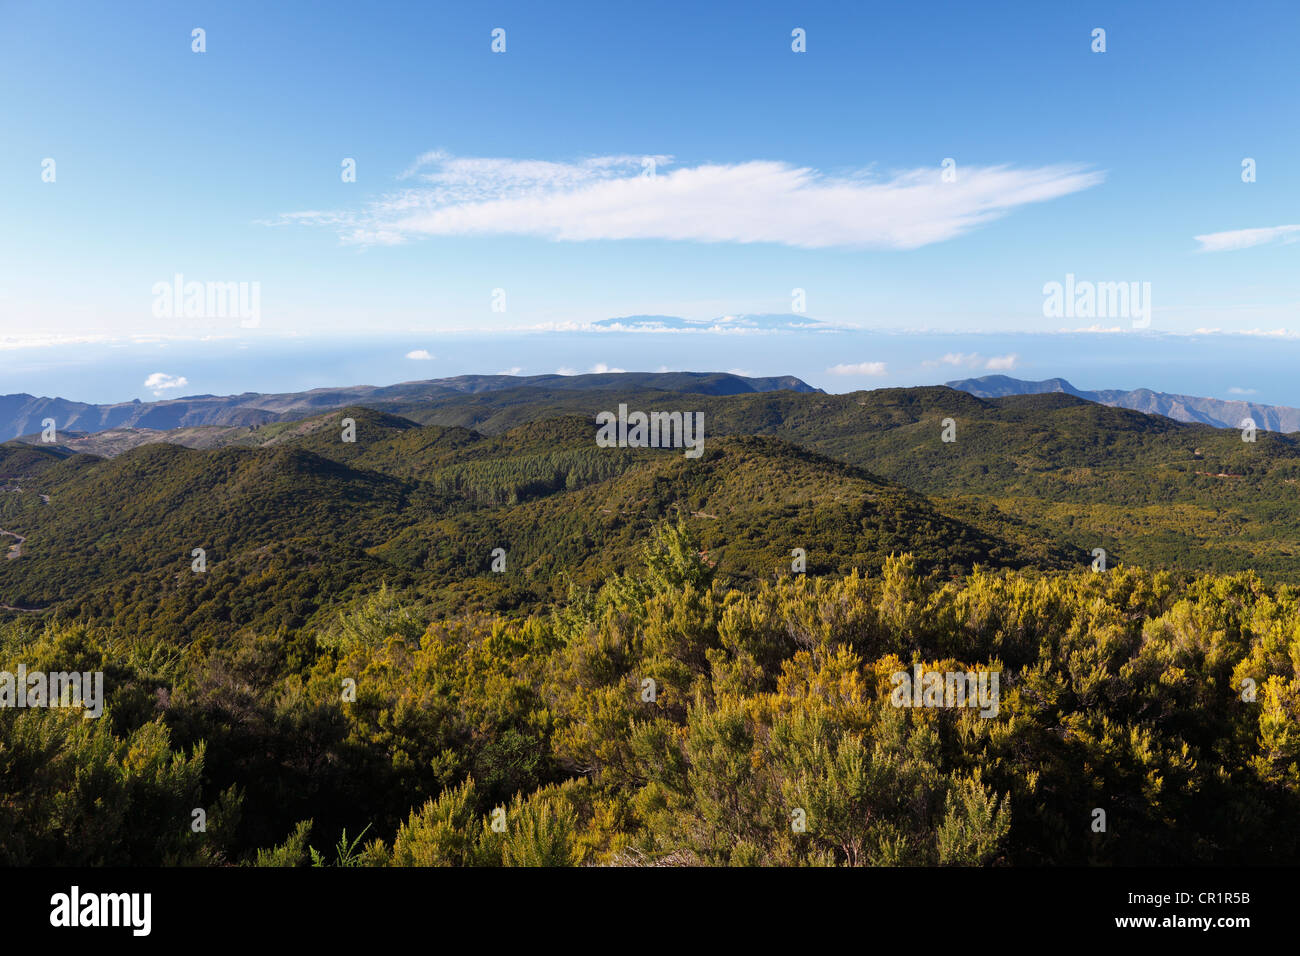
19, 491
15, 550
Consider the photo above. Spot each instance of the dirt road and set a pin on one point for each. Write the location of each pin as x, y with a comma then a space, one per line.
15, 550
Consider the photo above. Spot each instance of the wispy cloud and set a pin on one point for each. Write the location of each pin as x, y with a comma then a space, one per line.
742, 324
1245, 238
608, 197
998, 363
41, 340
423, 355
860, 368
471, 178
1002, 363
968, 359
1241, 391
1263, 333
162, 383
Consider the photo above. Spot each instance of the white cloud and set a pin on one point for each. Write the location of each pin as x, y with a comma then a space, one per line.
673, 325
1245, 238
968, 359
1267, 333
754, 201
998, 363
161, 382
600, 368
513, 370
565, 370
46, 340
1241, 391
861, 368
469, 178
421, 354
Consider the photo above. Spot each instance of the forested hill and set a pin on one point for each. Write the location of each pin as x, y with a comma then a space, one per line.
427, 506
1049, 474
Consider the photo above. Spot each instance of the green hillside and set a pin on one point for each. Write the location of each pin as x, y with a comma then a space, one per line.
1028, 469
428, 505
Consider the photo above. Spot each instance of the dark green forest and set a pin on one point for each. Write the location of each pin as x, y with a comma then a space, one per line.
473, 637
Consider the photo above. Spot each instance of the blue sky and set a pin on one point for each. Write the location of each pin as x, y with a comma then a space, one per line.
522, 172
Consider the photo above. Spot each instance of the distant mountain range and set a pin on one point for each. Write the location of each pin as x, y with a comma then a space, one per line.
23, 414
1181, 408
